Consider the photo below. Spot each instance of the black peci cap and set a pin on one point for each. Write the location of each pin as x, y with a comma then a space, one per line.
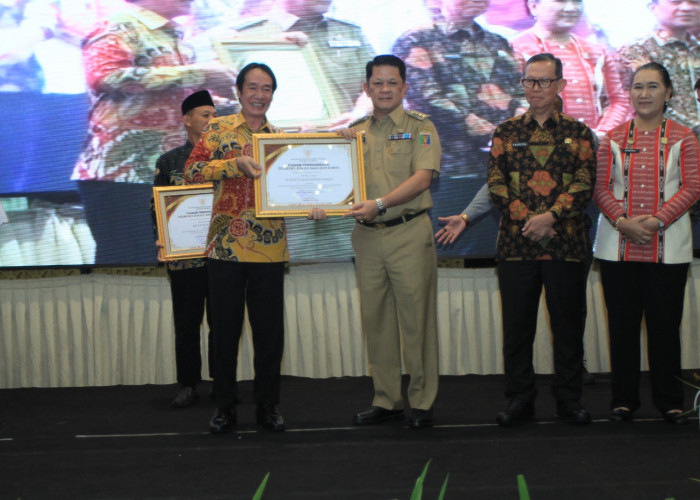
200, 98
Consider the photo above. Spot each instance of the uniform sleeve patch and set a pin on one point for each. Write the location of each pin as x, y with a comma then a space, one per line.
424, 139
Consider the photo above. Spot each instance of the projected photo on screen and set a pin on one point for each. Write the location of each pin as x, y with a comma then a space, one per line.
91, 93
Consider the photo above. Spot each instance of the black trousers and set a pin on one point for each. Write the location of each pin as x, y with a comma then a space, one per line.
189, 289
520, 284
260, 286
633, 289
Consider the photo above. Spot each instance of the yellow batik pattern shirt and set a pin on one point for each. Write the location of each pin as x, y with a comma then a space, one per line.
235, 233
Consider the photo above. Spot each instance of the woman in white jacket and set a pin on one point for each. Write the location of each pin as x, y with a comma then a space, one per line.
647, 178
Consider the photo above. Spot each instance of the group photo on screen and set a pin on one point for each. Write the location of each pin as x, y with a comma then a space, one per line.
92, 93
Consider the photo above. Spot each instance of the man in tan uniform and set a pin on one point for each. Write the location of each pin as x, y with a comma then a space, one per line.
396, 263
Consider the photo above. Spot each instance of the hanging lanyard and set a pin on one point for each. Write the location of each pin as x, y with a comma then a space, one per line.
663, 141
661, 162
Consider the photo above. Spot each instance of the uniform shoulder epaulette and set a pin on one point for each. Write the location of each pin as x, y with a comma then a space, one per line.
417, 115
359, 120
249, 23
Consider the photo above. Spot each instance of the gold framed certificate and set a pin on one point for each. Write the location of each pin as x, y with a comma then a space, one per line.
305, 171
182, 216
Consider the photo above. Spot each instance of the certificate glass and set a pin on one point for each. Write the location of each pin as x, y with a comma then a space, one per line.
182, 216
298, 68
305, 171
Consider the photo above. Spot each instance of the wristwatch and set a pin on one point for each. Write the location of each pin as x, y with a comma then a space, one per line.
381, 209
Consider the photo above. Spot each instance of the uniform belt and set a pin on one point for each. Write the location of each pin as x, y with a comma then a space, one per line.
393, 222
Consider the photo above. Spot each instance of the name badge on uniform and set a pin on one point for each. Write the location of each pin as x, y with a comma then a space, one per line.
344, 44
400, 137
631, 150
520, 144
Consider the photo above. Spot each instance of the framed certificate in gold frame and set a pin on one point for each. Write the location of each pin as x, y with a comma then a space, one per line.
182, 217
305, 171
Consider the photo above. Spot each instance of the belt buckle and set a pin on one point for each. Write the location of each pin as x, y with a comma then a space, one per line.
380, 225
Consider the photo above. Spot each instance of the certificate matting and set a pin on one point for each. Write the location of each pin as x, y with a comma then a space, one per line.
305, 171
182, 217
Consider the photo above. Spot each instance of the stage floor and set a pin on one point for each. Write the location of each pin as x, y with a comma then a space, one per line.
127, 442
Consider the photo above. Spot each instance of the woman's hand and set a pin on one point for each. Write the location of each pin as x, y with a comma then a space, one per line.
636, 229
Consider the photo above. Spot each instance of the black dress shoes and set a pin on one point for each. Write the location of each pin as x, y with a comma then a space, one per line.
270, 418
517, 411
223, 420
573, 412
420, 419
376, 415
621, 414
186, 397
676, 417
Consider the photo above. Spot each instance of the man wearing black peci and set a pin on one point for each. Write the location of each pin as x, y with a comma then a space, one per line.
188, 278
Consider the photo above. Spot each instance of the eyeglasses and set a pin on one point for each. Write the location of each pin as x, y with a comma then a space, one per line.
544, 83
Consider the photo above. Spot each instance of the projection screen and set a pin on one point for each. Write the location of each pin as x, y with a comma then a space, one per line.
59, 201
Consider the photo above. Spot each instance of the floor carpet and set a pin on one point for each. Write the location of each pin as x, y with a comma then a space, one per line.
127, 442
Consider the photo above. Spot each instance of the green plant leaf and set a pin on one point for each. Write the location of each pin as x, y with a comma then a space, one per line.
441, 496
418, 488
261, 488
522, 488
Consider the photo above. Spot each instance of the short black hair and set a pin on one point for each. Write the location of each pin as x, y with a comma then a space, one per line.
697, 84
547, 57
240, 79
386, 60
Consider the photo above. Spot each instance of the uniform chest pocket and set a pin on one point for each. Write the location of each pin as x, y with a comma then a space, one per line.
403, 147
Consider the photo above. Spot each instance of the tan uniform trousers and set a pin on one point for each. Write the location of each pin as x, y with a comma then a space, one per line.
396, 271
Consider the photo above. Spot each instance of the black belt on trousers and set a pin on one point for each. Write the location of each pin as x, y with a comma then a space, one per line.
392, 222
